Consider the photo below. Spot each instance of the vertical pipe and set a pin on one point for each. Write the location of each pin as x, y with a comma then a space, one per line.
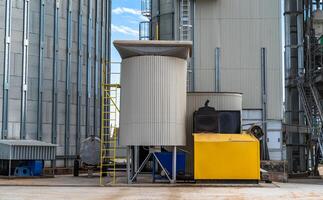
193, 53
300, 37
24, 84
108, 71
41, 71
96, 69
68, 81
55, 66
102, 60
79, 77
88, 74
217, 74
174, 164
264, 100
6, 78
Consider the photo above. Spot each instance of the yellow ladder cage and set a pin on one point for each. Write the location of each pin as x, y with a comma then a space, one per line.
109, 130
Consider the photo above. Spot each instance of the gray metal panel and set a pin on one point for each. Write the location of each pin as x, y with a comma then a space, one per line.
26, 150
42, 113
240, 28
153, 101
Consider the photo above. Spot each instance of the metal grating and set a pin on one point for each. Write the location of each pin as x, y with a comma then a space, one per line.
26, 150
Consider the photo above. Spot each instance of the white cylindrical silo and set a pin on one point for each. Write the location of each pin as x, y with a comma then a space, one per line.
153, 93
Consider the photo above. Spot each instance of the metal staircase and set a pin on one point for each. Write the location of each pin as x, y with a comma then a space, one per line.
109, 132
310, 98
185, 20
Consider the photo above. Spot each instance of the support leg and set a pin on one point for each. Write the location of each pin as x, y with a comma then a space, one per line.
174, 165
128, 166
9, 170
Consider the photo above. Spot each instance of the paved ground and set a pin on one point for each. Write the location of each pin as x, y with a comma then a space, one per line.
281, 191
78, 188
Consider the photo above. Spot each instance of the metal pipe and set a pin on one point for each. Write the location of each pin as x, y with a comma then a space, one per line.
174, 164
264, 100
68, 80
88, 74
109, 43
79, 77
55, 72
96, 69
217, 74
41, 70
193, 53
24, 84
6, 73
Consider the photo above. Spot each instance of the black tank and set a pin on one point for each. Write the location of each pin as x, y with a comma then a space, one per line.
208, 120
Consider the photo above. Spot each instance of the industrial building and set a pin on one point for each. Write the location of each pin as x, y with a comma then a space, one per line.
52, 54
208, 93
237, 48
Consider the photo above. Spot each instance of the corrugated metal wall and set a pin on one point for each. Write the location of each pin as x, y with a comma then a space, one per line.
240, 28
55, 51
153, 101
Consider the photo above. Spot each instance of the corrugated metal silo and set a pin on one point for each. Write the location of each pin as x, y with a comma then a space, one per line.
50, 64
153, 92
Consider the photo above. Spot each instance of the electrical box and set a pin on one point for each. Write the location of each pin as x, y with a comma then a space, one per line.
226, 157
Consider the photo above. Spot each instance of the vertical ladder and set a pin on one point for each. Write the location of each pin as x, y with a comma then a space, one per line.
109, 130
185, 20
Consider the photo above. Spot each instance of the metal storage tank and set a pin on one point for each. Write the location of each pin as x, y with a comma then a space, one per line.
153, 94
50, 64
223, 101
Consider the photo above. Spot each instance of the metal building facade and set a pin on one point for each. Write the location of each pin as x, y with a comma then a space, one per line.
52, 53
236, 48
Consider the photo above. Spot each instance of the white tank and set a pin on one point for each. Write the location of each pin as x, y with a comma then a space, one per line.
153, 92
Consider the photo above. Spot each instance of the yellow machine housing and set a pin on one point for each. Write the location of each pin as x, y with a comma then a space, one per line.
226, 157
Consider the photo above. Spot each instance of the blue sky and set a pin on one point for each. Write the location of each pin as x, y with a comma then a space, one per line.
126, 16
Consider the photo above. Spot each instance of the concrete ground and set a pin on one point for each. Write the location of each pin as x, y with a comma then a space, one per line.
70, 188
279, 191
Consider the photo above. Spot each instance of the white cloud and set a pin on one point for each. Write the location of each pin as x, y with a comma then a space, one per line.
124, 29
122, 10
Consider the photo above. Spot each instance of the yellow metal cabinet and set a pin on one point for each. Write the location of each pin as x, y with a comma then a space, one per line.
226, 157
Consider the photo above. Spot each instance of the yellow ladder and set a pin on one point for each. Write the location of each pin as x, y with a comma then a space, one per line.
109, 130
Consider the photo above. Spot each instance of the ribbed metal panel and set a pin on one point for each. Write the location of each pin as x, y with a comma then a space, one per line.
44, 46
153, 101
195, 100
240, 28
26, 150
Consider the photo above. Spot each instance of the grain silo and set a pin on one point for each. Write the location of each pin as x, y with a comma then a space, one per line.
153, 95
51, 57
